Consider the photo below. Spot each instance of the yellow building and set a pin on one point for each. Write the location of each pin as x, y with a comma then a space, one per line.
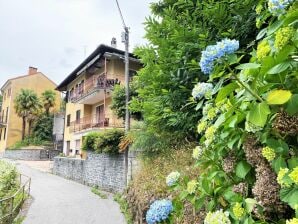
88, 93
10, 122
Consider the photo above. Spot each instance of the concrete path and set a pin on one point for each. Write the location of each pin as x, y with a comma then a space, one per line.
60, 201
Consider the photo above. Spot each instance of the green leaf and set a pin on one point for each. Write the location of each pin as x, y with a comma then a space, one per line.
231, 196
289, 195
258, 114
225, 91
278, 97
293, 162
261, 34
248, 66
249, 204
249, 220
242, 169
279, 68
211, 205
292, 105
275, 26
279, 163
206, 186
279, 145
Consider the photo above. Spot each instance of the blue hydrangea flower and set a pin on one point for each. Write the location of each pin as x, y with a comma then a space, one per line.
201, 89
278, 7
172, 178
214, 52
159, 211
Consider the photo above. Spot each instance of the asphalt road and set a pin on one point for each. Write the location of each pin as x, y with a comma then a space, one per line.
60, 201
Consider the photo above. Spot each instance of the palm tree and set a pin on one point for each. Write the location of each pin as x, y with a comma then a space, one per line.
48, 99
25, 104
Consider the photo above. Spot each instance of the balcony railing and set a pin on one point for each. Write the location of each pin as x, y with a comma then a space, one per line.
94, 83
92, 122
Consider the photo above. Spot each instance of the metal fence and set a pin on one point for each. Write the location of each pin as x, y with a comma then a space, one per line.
10, 206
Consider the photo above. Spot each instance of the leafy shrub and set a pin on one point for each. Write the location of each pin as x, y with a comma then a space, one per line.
177, 32
8, 184
248, 153
8, 178
107, 141
89, 141
43, 128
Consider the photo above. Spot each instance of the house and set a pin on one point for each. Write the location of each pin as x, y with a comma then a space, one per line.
10, 122
88, 94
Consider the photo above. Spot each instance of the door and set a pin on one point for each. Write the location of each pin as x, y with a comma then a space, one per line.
100, 114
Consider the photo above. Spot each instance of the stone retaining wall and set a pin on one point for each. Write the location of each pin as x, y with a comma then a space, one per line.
29, 154
103, 170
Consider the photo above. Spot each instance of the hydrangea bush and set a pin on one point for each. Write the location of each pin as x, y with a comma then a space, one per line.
248, 153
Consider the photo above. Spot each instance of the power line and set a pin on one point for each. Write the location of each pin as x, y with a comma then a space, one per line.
119, 9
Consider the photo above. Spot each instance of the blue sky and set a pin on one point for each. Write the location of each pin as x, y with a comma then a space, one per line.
56, 35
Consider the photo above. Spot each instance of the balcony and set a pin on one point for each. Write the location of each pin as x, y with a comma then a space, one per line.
93, 122
3, 121
91, 91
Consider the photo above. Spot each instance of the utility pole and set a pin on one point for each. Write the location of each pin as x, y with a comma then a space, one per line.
125, 40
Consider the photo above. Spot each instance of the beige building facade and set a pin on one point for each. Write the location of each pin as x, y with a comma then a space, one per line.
88, 94
10, 122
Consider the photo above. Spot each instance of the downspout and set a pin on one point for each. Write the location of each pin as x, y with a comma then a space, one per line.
105, 92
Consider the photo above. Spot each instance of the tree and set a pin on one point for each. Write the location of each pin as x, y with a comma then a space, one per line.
177, 32
26, 103
118, 102
43, 127
48, 98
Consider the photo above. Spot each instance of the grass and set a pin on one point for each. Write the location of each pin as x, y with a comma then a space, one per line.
97, 191
28, 141
124, 208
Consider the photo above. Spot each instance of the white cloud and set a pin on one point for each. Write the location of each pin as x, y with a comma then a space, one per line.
53, 35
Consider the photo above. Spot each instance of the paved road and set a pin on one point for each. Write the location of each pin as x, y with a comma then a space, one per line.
60, 201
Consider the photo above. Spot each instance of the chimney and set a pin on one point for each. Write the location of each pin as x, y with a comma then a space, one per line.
114, 42
32, 70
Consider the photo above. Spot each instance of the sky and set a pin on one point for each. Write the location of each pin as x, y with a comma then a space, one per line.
56, 35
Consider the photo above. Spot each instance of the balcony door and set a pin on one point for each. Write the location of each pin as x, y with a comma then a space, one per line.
100, 114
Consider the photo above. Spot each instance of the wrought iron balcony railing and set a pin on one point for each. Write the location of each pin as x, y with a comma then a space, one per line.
92, 84
93, 122
3, 120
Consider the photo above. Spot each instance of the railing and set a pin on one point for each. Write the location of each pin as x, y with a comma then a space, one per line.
3, 119
95, 82
10, 206
93, 121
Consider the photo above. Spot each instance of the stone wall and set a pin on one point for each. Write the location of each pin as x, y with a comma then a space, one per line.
30, 154
103, 170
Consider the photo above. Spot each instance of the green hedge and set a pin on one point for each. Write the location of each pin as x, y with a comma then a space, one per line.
8, 183
100, 142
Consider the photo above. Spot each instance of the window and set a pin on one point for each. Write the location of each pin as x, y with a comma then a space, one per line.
71, 94
68, 120
9, 92
6, 114
4, 135
78, 116
82, 86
